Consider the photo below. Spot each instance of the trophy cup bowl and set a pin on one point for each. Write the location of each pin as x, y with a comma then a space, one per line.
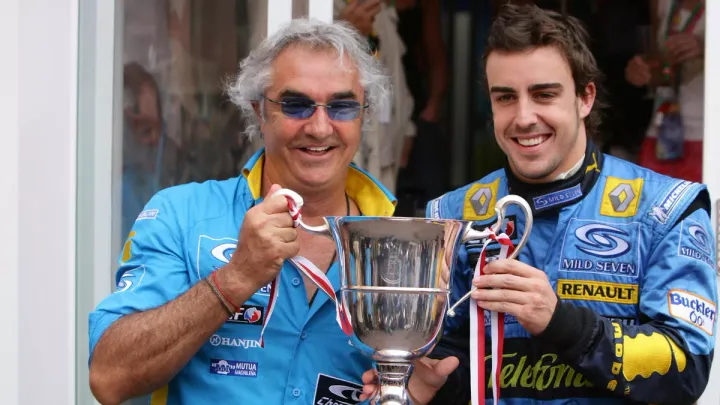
396, 278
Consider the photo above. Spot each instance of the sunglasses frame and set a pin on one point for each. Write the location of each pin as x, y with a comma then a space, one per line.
314, 106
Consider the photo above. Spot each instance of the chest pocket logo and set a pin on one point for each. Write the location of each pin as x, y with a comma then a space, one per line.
223, 252
214, 253
607, 249
602, 240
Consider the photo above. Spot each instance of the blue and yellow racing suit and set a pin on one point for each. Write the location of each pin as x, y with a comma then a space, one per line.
631, 256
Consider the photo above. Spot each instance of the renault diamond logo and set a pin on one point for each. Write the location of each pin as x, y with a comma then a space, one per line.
621, 197
481, 200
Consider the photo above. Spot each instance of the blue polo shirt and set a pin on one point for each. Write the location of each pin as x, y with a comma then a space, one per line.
188, 231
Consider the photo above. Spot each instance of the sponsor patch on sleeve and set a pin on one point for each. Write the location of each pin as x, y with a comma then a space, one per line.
662, 211
695, 243
331, 390
621, 197
148, 214
479, 202
435, 212
693, 309
131, 279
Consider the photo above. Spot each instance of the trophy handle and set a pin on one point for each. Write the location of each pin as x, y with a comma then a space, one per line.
500, 209
323, 229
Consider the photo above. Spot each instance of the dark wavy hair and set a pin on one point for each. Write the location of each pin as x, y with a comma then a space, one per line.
518, 28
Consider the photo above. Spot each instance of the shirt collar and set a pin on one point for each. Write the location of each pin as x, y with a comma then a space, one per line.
372, 198
550, 197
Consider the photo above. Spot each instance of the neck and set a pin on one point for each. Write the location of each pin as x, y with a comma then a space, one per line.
572, 161
318, 202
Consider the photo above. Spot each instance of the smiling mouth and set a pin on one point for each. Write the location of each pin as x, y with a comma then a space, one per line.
534, 141
317, 150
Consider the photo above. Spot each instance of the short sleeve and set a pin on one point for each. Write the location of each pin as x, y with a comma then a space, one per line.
152, 268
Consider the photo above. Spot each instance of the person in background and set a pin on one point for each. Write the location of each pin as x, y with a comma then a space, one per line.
619, 30
388, 143
613, 299
674, 69
424, 160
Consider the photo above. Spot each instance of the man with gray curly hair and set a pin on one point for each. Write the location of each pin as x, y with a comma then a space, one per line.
187, 324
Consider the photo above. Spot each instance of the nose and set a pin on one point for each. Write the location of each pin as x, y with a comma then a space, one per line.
526, 116
319, 124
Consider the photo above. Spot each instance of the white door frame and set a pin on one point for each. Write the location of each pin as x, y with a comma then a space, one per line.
38, 41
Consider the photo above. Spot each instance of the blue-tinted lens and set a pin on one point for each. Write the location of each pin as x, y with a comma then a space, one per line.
343, 110
298, 107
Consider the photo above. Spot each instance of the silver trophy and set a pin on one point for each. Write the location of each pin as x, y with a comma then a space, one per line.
396, 277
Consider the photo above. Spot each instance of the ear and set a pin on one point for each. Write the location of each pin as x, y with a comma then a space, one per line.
259, 114
586, 101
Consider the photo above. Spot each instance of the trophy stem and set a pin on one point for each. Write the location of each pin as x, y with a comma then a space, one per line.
393, 381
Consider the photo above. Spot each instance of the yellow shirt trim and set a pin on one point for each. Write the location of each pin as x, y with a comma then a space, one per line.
160, 396
372, 199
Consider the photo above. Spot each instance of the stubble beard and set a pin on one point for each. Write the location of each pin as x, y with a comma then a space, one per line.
555, 160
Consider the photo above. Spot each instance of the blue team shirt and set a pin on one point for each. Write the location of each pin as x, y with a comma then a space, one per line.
188, 231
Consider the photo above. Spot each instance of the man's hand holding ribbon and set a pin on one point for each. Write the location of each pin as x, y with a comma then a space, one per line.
515, 288
267, 238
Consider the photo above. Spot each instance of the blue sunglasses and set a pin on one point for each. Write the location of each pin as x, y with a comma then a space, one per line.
304, 108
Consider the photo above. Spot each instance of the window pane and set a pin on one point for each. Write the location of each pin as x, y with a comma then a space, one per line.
178, 125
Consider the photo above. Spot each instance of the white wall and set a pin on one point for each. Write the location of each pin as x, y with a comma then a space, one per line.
38, 80
9, 359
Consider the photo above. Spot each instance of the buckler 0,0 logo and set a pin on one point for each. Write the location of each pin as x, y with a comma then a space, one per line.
692, 308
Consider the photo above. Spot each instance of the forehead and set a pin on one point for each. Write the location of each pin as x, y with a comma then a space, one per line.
315, 72
520, 69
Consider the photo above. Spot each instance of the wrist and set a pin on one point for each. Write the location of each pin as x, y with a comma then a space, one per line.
571, 330
234, 283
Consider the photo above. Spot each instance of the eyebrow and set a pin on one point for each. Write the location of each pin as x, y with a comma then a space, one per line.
534, 87
545, 86
340, 95
501, 89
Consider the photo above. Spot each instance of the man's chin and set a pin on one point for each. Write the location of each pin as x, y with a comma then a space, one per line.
538, 174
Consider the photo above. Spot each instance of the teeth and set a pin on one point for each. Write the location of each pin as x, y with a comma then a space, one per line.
532, 141
318, 149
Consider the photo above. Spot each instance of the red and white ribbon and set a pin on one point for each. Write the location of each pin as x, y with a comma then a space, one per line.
314, 274
497, 331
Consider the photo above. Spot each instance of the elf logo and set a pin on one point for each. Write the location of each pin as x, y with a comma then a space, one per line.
248, 314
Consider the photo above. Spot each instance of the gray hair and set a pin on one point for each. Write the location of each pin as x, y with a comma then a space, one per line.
254, 76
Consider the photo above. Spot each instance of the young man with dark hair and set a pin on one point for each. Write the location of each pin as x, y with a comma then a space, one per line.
613, 299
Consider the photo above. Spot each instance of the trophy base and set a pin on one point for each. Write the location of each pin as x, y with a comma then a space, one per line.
393, 382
